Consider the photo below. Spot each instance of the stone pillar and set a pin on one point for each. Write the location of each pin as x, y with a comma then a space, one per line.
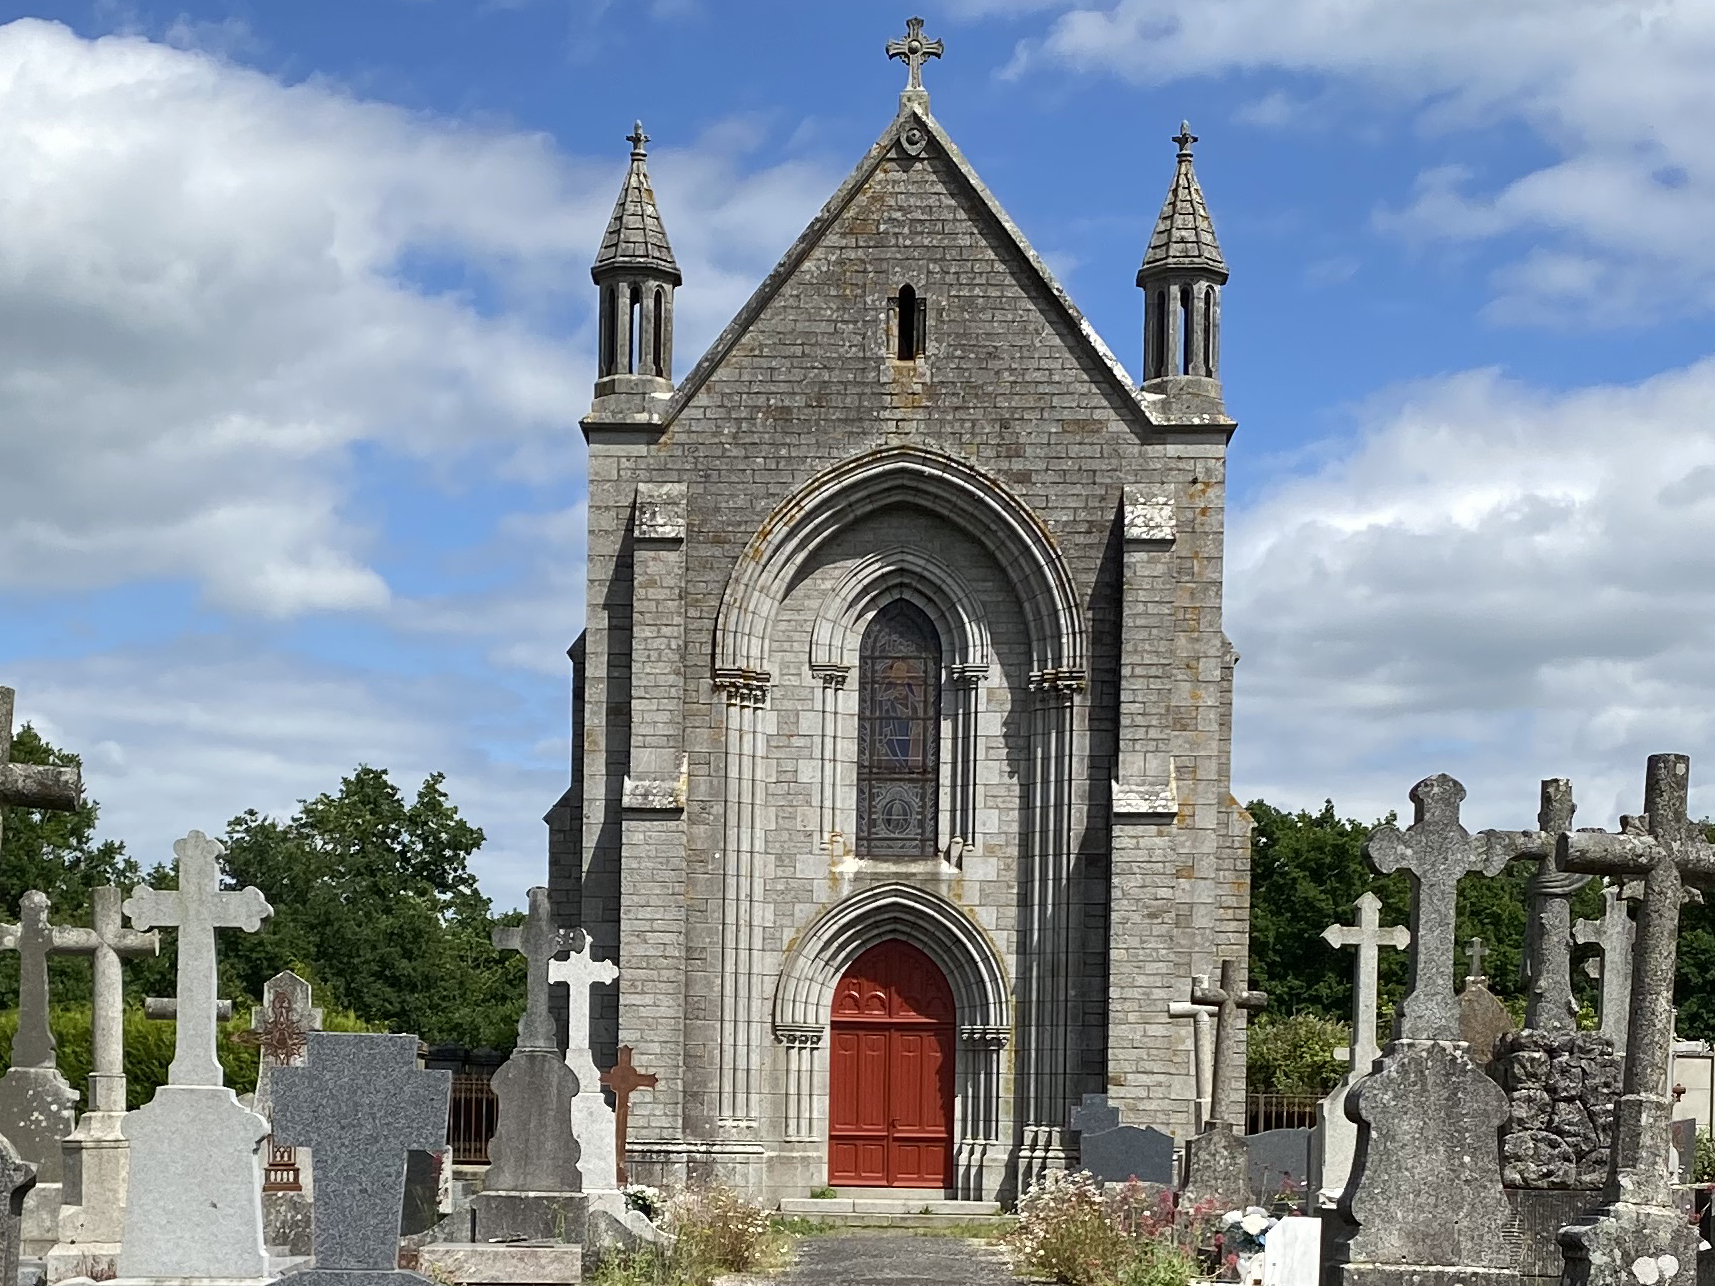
743, 904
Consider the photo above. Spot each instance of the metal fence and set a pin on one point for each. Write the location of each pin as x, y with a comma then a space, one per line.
1279, 1111
471, 1118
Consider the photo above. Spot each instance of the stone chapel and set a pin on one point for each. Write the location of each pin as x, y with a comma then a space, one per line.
902, 717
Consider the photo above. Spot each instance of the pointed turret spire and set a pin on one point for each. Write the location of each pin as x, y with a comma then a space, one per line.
637, 274
1181, 276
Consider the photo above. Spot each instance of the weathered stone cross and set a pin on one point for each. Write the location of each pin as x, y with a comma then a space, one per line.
1474, 953
580, 972
1228, 999
32, 785
914, 50
196, 909
1202, 1055
1434, 853
1668, 851
1368, 936
1613, 933
280, 1029
1550, 1005
108, 942
538, 941
34, 939
623, 1080
360, 1103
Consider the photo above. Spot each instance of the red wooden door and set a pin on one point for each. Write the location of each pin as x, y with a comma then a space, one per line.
890, 1112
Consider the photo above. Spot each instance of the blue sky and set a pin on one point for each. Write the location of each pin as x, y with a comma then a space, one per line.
295, 334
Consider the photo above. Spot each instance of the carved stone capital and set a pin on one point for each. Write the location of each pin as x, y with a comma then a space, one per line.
744, 687
1149, 516
1057, 682
985, 1038
796, 1037
968, 676
832, 676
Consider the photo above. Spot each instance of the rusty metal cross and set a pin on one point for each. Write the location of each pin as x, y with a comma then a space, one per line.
623, 1080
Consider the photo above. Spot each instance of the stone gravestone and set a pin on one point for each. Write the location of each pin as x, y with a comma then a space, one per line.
1115, 1153
1613, 934
17, 1177
1216, 1166
533, 1188
96, 1156
38, 1106
194, 1208
592, 1118
1483, 1019
1639, 1235
359, 1102
1278, 1165
1292, 1256
1202, 1047
280, 1029
1335, 1137
1424, 1202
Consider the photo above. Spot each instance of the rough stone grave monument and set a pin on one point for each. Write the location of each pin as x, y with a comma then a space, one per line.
1217, 1167
17, 1177
359, 1102
96, 1156
1116, 1153
1424, 1206
1483, 1019
280, 1029
533, 1189
1561, 1083
1613, 935
1639, 1235
37, 1106
1202, 1047
194, 1204
1335, 1137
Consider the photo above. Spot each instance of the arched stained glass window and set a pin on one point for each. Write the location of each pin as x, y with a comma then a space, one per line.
899, 732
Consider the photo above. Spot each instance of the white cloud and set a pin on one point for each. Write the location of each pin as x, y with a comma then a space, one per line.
1493, 581
188, 737
1618, 90
215, 288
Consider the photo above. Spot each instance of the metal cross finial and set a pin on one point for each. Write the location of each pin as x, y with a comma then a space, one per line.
1185, 138
637, 138
914, 49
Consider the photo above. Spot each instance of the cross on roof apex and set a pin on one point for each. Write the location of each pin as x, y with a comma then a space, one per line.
637, 138
1184, 138
914, 50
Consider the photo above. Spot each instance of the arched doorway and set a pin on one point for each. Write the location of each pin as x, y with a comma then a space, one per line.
890, 1084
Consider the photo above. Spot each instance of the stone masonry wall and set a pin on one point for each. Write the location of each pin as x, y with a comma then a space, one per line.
1561, 1087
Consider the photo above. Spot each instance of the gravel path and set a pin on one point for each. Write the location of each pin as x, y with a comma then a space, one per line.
890, 1259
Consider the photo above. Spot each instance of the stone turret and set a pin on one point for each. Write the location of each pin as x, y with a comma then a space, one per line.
1181, 280
637, 274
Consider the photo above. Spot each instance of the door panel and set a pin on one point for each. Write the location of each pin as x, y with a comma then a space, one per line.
891, 1072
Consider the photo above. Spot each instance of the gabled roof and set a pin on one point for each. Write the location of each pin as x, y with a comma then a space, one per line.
635, 237
1184, 237
912, 110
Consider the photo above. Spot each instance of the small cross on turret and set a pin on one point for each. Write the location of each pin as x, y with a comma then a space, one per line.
914, 50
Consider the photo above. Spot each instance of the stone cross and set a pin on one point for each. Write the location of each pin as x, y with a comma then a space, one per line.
538, 941
1228, 999
108, 942
623, 1080
1550, 1005
31, 785
196, 909
1202, 1048
35, 939
580, 972
1368, 936
1666, 849
1474, 953
915, 50
1434, 853
359, 1103
1613, 933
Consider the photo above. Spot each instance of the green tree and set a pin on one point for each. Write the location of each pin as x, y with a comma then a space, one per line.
59, 854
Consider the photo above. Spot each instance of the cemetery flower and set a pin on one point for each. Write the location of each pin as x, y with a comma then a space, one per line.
1072, 1231
644, 1199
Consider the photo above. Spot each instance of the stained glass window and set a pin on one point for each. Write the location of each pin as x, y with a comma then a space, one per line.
899, 732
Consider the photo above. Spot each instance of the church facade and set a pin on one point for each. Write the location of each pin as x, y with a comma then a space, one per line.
902, 715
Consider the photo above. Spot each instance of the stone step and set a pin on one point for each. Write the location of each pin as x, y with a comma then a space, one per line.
896, 1210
